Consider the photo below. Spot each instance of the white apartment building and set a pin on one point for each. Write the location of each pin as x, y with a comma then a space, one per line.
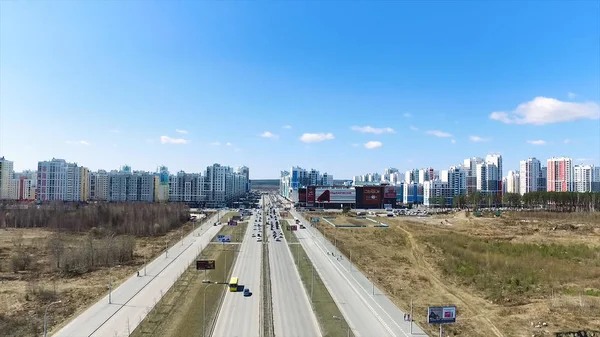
530, 174
512, 182
559, 175
52, 180
291, 181
428, 174
433, 189
99, 185
6, 177
186, 187
487, 178
456, 178
586, 178
470, 165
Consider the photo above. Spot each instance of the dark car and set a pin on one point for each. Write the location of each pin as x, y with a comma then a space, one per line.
247, 292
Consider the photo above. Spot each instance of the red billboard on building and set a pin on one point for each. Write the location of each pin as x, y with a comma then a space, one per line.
389, 192
371, 195
310, 195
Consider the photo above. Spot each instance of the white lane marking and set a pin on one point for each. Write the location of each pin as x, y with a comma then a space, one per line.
364, 290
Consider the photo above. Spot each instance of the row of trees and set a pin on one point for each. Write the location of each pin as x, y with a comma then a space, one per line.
558, 201
140, 219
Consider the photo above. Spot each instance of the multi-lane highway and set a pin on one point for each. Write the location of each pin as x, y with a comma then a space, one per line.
367, 314
133, 299
292, 313
239, 316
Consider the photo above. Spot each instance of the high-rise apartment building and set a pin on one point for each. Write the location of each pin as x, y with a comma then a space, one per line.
586, 178
456, 177
291, 181
59, 180
494, 184
542, 179
470, 165
559, 175
6, 177
99, 185
530, 174
245, 171
436, 190
512, 182
186, 187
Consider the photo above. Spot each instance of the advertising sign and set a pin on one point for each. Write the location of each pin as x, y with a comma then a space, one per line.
441, 315
389, 192
336, 195
310, 195
205, 264
371, 195
232, 223
302, 195
294, 227
224, 238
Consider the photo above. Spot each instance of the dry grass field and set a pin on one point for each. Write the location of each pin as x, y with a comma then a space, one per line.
350, 221
520, 274
24, 294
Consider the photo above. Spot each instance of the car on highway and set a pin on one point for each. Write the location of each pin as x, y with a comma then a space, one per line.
247, 292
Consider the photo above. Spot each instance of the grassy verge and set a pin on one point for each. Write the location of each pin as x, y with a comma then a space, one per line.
289, 236
180, 313
228, 215
328, 314
236, 232
515, 271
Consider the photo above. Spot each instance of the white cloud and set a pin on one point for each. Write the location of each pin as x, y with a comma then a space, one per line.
477, 139
373, 144
407, 115
287, 126
543, 110
438, 133
414, 128
316, 137
78, 142
571, 95
228, 144
268, 134
214, 143
169, 140
453, 141
537, 142
368, 129
181, 131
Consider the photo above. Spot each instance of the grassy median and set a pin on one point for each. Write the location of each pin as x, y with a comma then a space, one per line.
180, 313
289, 236
228, 216
235, 232
328, 314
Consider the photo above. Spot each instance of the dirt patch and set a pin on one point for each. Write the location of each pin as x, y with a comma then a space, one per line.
507, 275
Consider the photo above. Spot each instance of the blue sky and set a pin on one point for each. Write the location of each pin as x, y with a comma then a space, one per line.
107, 83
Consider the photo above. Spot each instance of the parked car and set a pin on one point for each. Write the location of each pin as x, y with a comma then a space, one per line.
247, 292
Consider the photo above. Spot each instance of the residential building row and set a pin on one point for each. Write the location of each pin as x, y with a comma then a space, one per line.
58, 179
485, 176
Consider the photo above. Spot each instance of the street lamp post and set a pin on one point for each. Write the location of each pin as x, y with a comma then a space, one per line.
204, 311
46, 317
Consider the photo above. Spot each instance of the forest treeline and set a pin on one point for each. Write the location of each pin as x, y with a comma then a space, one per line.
140, 219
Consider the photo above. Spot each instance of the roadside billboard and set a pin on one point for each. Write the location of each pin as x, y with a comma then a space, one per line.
224, 238
294, 227
441, 315
310, 195
336, 195
389, 192
232, 223
302, 195
371, 195
205, 264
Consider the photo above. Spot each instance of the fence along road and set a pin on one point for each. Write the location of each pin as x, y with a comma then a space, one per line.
367, 314
134, 298
239, 316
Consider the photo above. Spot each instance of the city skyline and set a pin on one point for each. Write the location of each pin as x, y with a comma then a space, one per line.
298, 83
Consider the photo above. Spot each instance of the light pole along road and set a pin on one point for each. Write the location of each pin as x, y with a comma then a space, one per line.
239, 316
367, 314
292, 313
134, 298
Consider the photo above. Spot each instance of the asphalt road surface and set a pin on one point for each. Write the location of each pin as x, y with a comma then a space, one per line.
292, 313
239, 316
367, 314
135, 297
